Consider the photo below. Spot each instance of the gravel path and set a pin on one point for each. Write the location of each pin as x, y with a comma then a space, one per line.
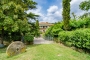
41, 41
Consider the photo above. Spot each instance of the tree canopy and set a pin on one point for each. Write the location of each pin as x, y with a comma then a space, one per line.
85, 5
13, 16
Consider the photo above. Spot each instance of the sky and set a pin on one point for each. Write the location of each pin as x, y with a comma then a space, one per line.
51, 10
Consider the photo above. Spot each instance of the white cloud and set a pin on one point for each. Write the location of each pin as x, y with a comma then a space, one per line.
52, 9
54, 13
59, 13
74, 2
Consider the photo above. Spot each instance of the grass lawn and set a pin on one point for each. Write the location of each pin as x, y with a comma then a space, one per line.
46, 52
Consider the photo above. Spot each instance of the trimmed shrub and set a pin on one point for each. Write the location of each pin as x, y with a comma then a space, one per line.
65, 36
78, 38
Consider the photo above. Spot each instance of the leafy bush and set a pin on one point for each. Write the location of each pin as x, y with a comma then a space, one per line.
78, 38
65, 36
74, 24
80, 23
29, 38
54, 30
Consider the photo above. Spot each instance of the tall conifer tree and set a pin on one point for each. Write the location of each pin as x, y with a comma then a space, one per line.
66, 13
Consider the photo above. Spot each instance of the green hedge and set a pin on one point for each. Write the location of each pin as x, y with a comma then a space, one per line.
78, 38
54, 30
74, 24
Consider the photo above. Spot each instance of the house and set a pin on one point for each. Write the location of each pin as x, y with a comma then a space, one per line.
44, 25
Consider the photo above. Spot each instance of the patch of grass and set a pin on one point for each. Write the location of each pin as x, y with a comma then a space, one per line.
46, 52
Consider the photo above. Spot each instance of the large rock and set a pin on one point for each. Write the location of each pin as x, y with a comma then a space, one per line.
15, 48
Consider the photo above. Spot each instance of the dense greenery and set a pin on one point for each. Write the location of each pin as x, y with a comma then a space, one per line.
66, 13
79, 29
28, 38
37, 33
80, 23
54, 30
74, 24
78, 38
13, 17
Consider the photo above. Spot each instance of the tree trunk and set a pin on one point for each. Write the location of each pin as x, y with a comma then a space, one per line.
2, 34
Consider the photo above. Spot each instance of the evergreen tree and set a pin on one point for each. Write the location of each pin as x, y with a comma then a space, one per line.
66, 13
37, 28
13, 16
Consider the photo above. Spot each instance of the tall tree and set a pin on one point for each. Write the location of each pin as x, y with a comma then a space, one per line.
13, 16
37, 24
85, 5
37, 28
66, 13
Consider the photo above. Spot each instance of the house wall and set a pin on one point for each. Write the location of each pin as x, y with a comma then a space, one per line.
43, 26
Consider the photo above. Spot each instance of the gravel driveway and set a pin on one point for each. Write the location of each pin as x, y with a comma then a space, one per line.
41, 41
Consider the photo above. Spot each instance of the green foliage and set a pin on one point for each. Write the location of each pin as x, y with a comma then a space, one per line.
66, 13
78, 38
74, 24
85, 5
29, 37
37, 24
37, 32
54, 30
13, 16
80, 23
32, 16
34, 29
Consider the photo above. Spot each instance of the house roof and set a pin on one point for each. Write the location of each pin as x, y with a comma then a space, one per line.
45, 24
